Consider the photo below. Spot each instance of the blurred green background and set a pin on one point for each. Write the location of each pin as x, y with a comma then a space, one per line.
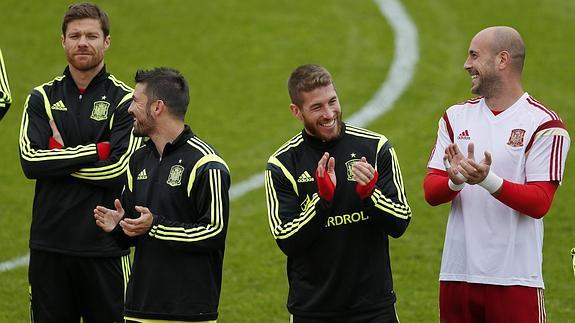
237, 56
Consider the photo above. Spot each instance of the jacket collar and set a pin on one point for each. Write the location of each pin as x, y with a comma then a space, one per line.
322, 144
101, 76
181, 139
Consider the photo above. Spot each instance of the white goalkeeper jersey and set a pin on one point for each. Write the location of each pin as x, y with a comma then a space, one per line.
486, 241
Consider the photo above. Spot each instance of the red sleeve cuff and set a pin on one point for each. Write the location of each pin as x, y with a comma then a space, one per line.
436, 189
54, 144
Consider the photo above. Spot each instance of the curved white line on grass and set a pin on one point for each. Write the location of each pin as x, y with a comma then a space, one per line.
254, 182
14, 263
400, 74
402, 69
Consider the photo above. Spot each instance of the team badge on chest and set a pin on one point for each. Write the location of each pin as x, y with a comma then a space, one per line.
100, 110
175, 176
349, 168
516, 138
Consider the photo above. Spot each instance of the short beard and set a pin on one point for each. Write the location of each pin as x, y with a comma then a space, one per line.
489, 87
311, 129
88, 66
146, 127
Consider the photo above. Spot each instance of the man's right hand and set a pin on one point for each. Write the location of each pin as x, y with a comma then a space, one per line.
451, 159
103, 150
325, 177
108, 219
56, 141
475, 172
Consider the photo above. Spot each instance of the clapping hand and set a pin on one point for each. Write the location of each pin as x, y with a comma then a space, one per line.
107, 219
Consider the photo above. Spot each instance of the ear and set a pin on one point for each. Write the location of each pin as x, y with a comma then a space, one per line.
63, 39
107, 41
158, 108
503, 60
296, 111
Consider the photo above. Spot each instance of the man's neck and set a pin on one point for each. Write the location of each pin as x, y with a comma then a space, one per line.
505, 97
166, 134
83, 78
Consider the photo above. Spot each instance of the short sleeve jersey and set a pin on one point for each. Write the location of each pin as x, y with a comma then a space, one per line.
486, 241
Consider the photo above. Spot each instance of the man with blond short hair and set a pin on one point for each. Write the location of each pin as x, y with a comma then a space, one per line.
335, 195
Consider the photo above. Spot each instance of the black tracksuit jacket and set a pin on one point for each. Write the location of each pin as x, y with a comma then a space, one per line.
337, 253
177, 269
70, 182
5, 98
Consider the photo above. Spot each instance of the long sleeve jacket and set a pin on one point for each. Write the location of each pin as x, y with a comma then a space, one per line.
337, 253
72, 181
5, 98
177, 269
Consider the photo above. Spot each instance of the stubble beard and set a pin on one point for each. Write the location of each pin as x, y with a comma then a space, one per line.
143, 128
86, 65
487, 87
314, 130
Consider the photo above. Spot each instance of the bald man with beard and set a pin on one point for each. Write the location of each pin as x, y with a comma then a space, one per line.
491, 268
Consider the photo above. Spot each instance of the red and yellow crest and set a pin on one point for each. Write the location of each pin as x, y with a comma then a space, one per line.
516, 138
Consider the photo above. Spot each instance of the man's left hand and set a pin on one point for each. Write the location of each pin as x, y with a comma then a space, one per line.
366, 177
140, 225
474, 172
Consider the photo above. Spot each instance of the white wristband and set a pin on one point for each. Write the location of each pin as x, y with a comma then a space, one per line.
461, 177
452, 185
455, 187
492, 183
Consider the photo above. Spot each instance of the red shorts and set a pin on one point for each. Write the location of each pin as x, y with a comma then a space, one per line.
461, 302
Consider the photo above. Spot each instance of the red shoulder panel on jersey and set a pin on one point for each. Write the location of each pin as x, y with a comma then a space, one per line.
546, 125
448, 125
538, 104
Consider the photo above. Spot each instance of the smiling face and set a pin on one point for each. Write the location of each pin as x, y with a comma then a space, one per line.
481, 65
84, 43
320, 112
141, 110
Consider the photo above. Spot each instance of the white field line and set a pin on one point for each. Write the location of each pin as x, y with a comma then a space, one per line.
401, 71
14, 263
400, 74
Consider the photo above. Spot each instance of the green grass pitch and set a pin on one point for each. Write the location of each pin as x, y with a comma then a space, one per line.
237, 56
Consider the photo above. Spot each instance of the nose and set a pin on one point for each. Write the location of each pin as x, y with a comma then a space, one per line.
83, 41
467, 63
328, 112
131, 108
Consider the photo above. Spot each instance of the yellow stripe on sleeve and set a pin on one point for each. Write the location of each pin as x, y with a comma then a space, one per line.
202, 232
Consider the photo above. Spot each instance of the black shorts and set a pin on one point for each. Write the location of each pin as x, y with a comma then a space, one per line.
386, 315
64, 288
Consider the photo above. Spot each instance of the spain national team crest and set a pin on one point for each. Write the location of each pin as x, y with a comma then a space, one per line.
100, 110
349, 167
516, 138
175, 176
